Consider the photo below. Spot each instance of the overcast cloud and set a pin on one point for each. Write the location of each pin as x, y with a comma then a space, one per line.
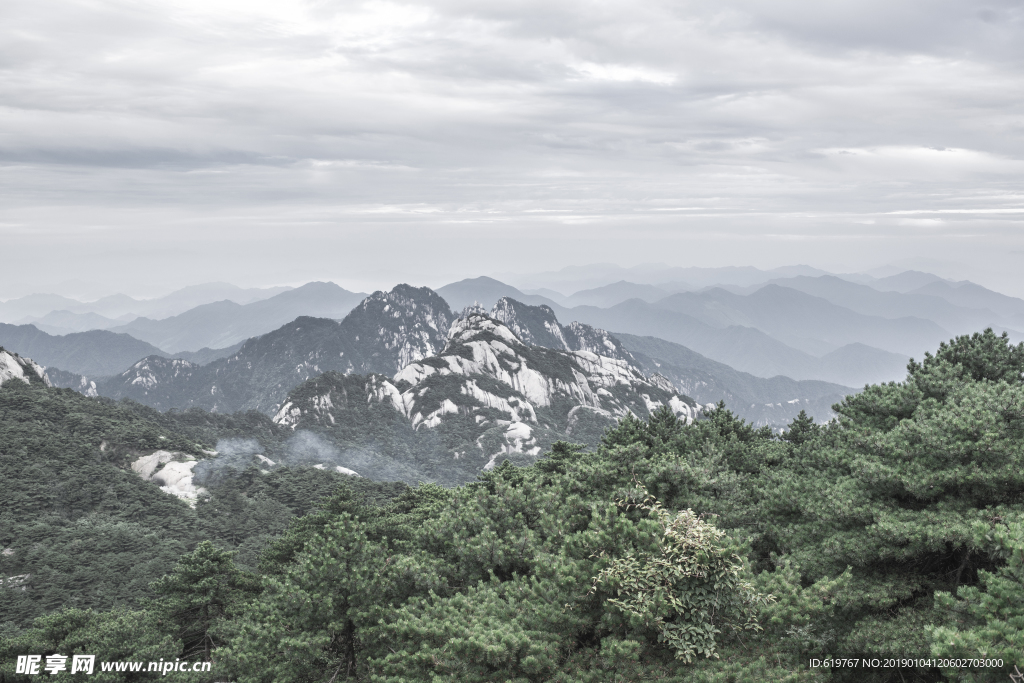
148, 144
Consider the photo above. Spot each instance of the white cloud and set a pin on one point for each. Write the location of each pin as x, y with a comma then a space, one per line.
618, 73
231, 122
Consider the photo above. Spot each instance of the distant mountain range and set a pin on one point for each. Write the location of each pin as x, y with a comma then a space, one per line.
390, 330
742, 347
97, 353
576, 278
791, 326
818, 327
762, 401
225, 323
75, 314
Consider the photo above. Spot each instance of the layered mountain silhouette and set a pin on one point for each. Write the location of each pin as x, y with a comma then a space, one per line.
97, 353
34, 307
788, 338
224, 323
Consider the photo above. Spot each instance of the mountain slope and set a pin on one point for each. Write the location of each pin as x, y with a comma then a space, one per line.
538, 326
774, 402
97, 353
867, 300
402, 389
970, 295
225, 323
806, 322
771, 401
616, 293
485, 292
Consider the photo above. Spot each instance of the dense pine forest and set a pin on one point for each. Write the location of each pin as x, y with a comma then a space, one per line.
712, 551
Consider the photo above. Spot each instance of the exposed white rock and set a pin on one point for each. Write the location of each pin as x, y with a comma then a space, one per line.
87, 387
10, 368
288, 415
177, 480
681, 409
173, 471
18, 582
13, 366
434, 418
486, 369
148, 464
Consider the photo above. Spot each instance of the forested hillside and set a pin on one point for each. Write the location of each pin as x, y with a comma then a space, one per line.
709, 551
79, 528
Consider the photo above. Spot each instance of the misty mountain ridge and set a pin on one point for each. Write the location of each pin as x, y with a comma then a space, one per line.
820, 327
673, 278
772, 402
225, 323
485, 291
66, 322
30, 308
829, 328
96, 353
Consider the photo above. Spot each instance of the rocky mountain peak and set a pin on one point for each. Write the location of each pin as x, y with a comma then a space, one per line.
538, 326
409, 323
473, 309
419, 305
477, 323
535, 325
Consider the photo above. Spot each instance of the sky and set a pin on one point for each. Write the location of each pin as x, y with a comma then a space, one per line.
151, 144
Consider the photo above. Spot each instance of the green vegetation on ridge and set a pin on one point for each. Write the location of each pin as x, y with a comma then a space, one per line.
713, 551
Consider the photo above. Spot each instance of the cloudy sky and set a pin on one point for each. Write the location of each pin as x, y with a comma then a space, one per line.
148, 144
